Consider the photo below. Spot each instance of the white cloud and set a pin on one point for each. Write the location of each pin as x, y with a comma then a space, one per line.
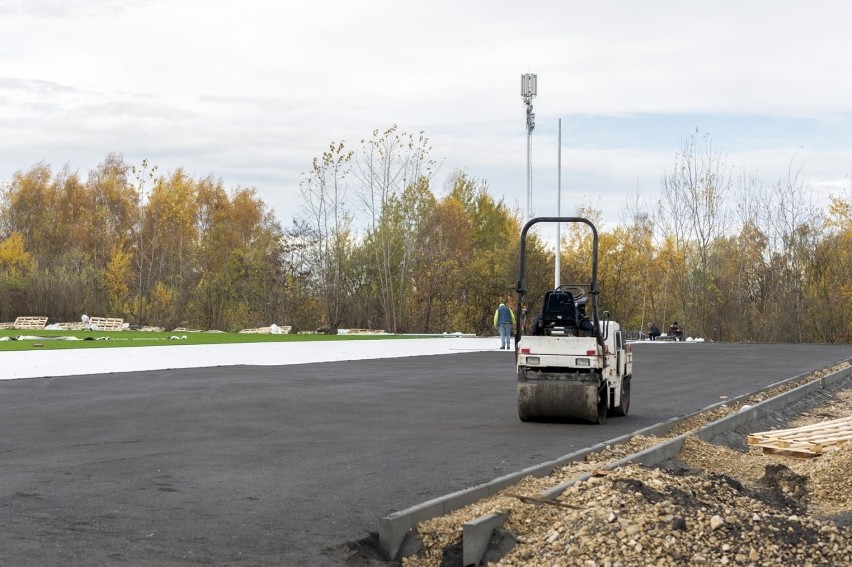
251, 91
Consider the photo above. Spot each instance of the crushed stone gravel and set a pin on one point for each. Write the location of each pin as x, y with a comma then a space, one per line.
714, 505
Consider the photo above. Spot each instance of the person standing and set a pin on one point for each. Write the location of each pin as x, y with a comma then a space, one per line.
504, 318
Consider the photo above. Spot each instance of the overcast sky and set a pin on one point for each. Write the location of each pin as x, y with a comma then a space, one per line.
250, 91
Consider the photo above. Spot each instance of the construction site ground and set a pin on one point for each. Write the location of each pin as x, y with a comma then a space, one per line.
717, 503
258, 456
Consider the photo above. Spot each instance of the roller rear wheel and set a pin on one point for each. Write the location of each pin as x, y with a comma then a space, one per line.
624, 406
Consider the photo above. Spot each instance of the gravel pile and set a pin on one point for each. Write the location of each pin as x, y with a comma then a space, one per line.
714, 505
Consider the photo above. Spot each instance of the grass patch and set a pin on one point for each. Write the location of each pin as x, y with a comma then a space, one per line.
47, 340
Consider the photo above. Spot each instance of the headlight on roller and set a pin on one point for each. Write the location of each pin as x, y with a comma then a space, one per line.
582, 362
533, 360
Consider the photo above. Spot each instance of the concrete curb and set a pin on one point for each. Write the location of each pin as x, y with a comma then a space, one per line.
394, 528
476, 535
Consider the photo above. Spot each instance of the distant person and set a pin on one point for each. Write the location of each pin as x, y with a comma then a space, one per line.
674, 331
654, 332
504, 318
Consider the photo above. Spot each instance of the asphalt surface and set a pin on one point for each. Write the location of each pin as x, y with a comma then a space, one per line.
284, 465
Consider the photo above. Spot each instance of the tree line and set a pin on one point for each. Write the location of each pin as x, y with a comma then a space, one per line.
375, 245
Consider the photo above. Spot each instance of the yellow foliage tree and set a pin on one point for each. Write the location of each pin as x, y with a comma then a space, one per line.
115, 277
15, 261
161, 305
16, 269
832, 276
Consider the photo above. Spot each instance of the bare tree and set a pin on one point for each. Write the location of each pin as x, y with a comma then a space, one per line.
388, 164
143, 175
693, 204
795, 229
324, 202
750, 282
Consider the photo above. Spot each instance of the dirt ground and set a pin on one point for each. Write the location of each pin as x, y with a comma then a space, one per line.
723, 503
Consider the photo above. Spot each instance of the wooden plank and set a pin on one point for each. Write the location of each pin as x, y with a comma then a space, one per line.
843, 425
804, 454
809, 439
837, 435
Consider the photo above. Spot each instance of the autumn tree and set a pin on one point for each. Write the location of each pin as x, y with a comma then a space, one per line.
240, 254
16, 269
111, 209
829, 281
640, 231
46, 210
32, 209
444, 250
491, 270
171, 230
116, 275
623, 268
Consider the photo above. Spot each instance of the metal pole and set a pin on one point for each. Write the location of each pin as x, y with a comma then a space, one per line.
529, 174
529, 90
558, 208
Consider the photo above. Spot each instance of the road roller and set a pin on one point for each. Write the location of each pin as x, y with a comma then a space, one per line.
572, 364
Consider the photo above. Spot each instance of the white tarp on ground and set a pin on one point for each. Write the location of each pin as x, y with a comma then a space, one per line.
71, 362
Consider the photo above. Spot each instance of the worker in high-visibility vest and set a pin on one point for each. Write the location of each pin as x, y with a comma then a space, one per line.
504, 318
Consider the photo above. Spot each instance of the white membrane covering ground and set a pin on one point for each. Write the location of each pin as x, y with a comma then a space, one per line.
71, 362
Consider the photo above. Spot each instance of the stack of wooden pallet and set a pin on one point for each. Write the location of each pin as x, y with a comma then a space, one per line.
806, 441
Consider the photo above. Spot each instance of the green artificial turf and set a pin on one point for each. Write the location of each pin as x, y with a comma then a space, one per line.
47, 340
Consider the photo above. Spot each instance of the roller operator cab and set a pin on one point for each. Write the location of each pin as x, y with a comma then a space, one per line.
573, 365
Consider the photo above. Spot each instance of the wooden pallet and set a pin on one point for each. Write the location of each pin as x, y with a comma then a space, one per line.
31, 323
106, 323
809, 440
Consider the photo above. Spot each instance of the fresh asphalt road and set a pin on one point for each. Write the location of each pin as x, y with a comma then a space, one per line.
282, 465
